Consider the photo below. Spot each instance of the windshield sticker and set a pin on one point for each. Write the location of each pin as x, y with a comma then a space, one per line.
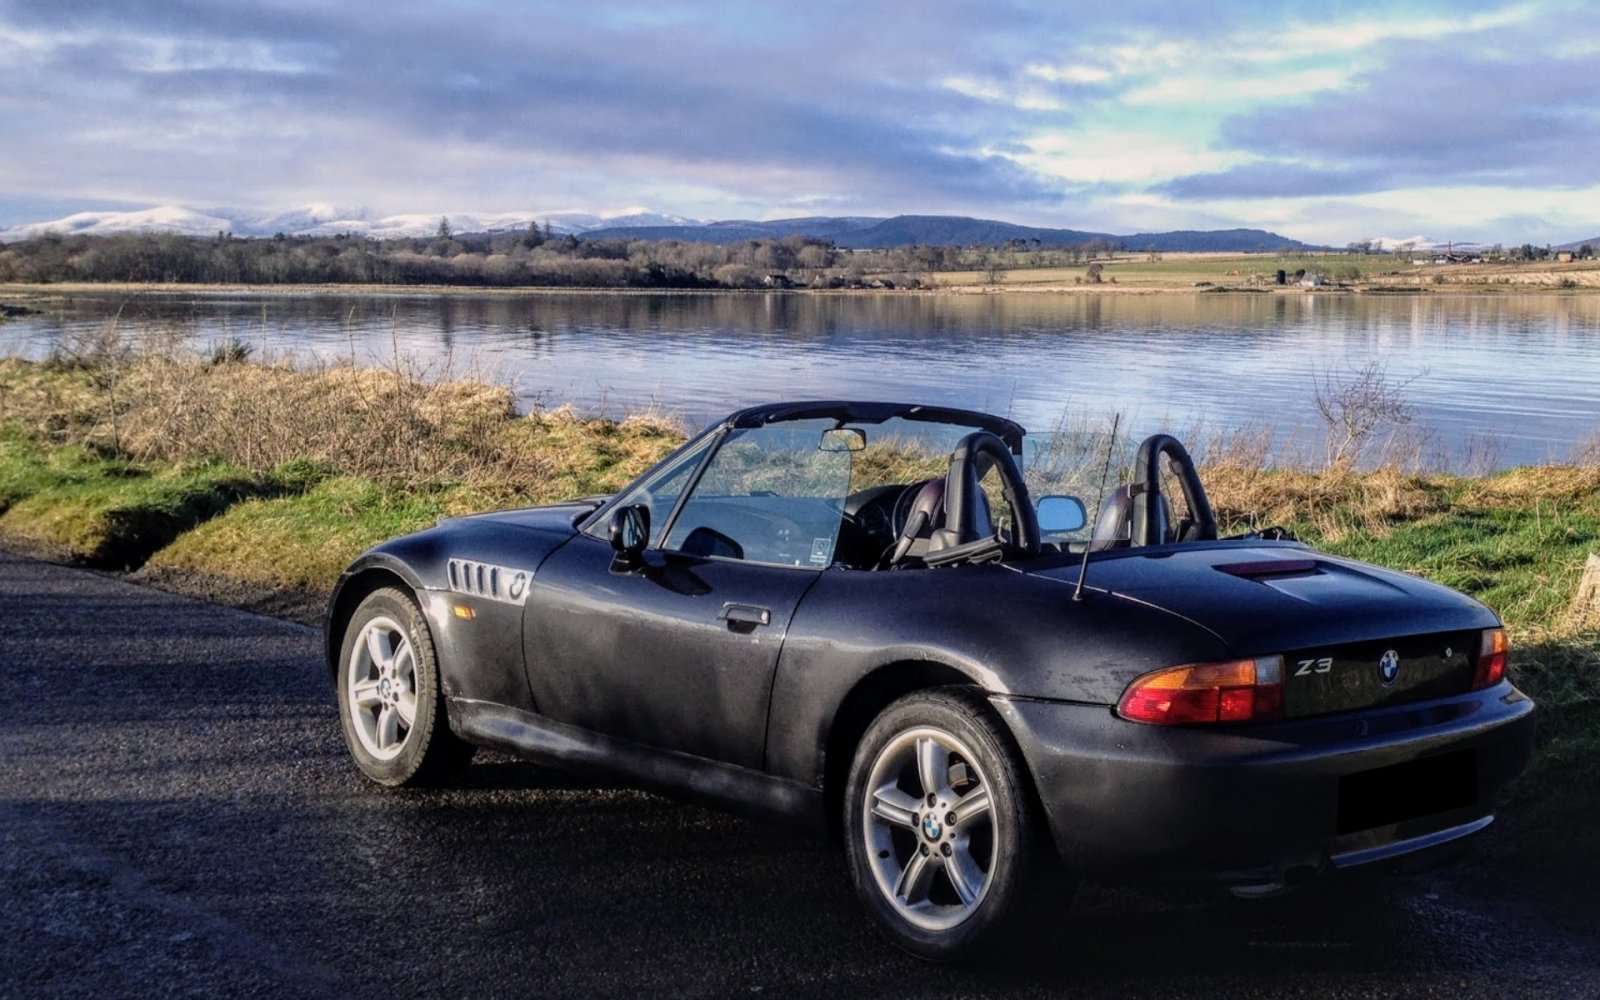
821, 551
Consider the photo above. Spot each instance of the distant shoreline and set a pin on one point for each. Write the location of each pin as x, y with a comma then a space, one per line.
1015, 273
29, 291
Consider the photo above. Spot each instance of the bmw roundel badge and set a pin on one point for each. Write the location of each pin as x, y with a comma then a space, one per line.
1389, 667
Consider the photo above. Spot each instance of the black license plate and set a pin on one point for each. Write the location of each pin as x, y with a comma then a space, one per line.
1401, 792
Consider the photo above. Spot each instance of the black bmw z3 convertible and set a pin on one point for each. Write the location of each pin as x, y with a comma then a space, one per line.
865, 617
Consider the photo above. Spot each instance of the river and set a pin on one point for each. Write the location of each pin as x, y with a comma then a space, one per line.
1488, 380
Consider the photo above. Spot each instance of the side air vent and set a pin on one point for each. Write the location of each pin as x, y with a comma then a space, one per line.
486, 580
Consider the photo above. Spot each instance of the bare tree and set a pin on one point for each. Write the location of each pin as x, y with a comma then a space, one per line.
1354, 408
994, 270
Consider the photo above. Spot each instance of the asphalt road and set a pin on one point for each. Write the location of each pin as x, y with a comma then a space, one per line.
178, 818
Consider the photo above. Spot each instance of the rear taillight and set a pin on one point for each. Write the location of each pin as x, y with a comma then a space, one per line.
1233, 691
1493, 652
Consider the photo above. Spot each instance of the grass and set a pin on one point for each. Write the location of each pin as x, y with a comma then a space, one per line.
296, 524
392, 424
106, 512
305, 540
1523, 561
1516, 540
274, 475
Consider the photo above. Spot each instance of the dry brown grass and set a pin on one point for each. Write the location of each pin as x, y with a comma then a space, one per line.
1335, 501
1530, 484
1583, 614
892, 460
389, 424
1587, 451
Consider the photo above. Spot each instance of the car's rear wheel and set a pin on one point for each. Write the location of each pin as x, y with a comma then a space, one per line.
943, 837
390, 701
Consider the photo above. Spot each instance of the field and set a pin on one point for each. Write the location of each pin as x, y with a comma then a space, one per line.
989, 271
1187, 271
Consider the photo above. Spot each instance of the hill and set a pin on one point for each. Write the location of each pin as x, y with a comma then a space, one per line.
849, 232
944, 230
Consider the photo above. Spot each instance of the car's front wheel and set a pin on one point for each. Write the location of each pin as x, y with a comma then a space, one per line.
390, 702
944, 841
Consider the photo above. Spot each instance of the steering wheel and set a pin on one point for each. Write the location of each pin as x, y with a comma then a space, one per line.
902, 507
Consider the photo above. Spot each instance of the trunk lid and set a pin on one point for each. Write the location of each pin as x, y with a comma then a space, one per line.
1351, 635
1382, 672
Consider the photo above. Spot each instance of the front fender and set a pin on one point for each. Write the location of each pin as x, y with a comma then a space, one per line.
470, 578
371, 571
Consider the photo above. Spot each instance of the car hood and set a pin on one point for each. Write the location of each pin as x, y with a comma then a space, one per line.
1261, 599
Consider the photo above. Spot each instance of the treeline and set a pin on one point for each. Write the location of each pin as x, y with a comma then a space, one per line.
533, 258
527, 259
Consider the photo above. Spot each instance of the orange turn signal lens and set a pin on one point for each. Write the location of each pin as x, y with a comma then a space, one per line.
1230, 691
463, 611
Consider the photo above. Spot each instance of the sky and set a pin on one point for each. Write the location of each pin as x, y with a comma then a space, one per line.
1327, 122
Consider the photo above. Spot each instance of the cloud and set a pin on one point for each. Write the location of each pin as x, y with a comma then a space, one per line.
1009, 109
272, 90
1497, 110
1272, 180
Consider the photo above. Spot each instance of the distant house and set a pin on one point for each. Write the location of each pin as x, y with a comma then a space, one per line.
777, 281
1564, 256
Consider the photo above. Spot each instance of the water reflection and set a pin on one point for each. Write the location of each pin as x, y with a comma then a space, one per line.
1519, 369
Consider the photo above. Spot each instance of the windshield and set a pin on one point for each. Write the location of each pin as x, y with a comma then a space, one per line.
1071, 460
817, 492
770, 494
904, 451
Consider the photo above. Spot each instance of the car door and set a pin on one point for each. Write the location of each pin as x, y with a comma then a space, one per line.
678, 652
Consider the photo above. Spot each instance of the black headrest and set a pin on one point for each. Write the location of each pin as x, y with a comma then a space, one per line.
1111, 526
929, 503
975, 455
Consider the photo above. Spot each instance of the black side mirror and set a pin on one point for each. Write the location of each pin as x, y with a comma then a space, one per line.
630, 533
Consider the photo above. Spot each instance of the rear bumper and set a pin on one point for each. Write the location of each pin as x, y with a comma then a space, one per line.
1269, 804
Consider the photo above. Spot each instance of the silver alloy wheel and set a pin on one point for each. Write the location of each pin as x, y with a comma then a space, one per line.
929, 827
381, 687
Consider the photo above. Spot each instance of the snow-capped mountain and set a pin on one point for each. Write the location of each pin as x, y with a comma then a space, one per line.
165, 219
1422, 244
853, 232
328, 220
294, 220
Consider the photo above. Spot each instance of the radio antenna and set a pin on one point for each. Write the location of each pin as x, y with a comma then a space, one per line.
1088, 546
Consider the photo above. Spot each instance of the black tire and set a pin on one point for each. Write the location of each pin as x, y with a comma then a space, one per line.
387, 748
940, 916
